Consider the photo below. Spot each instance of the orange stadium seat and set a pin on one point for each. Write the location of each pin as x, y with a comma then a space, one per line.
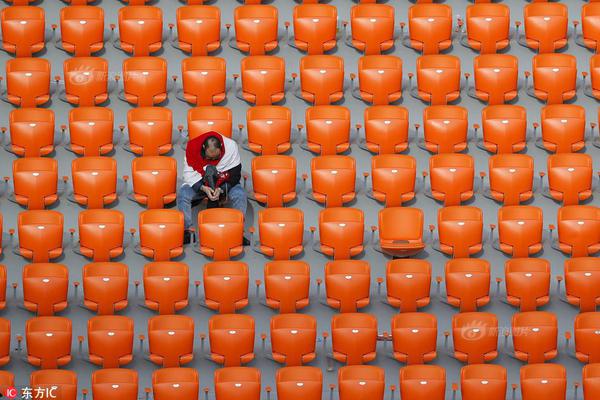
274, 179
429, 28
520, 230
347, 285
263, 80
221, 233
23, 30
372, 28
408, 284
5, 333
255, 29
488, 28
593, 88
81, 30
327, 130
94, 181
198, 29
31, 132
287, 285
63, 382
504, 129
475, 337
140, 30
293, 339
438, 79
269, 129
341, 232
445, 129
110, 340
496, 78
27, 82
321, 79
590, 379
401, 239
581, 283
298, 383
483, 381
144, 81
527, 283
460, 230
231, 339
7, 379
171, 340
578, 230
414, 337
315, 28
423, 381
451, 178
209, 118
379, 79
546, 27
85, 81
3, 278
241, 383
48, 341
166, 286
590, 28
333, 180
101, 234
35, 182
534, 335
150, 131
169, 383
354, 338
161, 234
361, 382
45, 287
563, 128
154, 180
111, 382
585, 329
554, 78
393, 179
386, 129
203, 80
510, 178
225, 286
570, 177
40, 235
281, 232
467, 283
91, 131
105, 287
543, 381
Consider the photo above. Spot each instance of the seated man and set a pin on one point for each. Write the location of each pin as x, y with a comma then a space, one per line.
212, 170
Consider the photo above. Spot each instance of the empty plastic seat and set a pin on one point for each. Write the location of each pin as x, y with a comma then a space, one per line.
586, 337
31, 132
281, 232
225, 286
231, 339
209, 118
414, 337
287, 285
438, 79
445, 129
483, 381
321, 79
590, 28
372, 28
237, 383
534, 336
451, 178
198, 29
91, 131
144, 81
543, 381
496, 78
527, 282
35, 181
563, 128
110, 382
393, 179
570, 177
460, 230
593, 88
171, 340
504, 128
269, 129
386, 129
467, 283
94, 181
408, 284
86, 81
590, 377
40, 235
546, 27
401, 239
7, 379
263, 79
101, 234
62, 384
150, 131
315, 28
255, 29
221, 233
293, 339
3, 277
105, 287
45, 288
203, 80
488, 27
27, 82
379, 79
110, 340
327, 129
511, 178
423, 381
333, 179
81, 30
140, 30
430, 27
48, 342
23, 30
520, 230
579, 230
297, 383
554, 78
581, 282
5, 334
274, 179
154, 180
361, 382
341, 232
161, 234
169, 383
475, 337
347, 285
166, 286
354, 338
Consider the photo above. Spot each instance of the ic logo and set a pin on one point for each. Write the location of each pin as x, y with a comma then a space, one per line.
10, 393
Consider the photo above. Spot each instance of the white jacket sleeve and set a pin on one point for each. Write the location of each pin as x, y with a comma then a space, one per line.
190, 175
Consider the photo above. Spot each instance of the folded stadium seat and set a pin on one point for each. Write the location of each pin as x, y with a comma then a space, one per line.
379, 79
225, 286
510, 178
40, 235
460, 231
85, 81
534, 335
554, 78
293, 339
543, 381
546, 27
590, 379
203, 81
563, 128
154, 180
451, 178
48, 342
166, 286
255, 29
287, 285
496, 78
169, 383
590, 27
114, 382
105, 287
269, 130
467, 283
586, 327
263, 80
527, 283
488, 28
1, 220
91, 131
281, 232
171, 340
110, 340
315, 28
81, 30
94, 181
372, 27
581, 283
198, 29
150, 131
347, 285
5, 333
274, 179
438, 79
321, 80
144, 81
231, 339
54, 381
3, 277
504, 129
31, 132
445, 129
327, 130
100, 234
593, 88
422, 381
386, 129
570, 177
354, 338
27, 82
408, 284
361, 382
23, 30
578, 230
45, 287
520, 230
479, 381
209, 118
341, 232
161, 234
333, 180
35, 182
414, 337
392, 179
221, 233
298, 383
429, 28
400, 239
140, 30
7, 379
233, 383
475, 337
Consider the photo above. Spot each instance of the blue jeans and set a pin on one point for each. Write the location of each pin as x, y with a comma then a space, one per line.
236, 198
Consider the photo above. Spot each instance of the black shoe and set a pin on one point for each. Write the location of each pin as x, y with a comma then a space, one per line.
245, 242
187, 237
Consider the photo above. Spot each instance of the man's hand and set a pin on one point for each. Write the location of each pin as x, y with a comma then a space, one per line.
216, 194
207, 190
